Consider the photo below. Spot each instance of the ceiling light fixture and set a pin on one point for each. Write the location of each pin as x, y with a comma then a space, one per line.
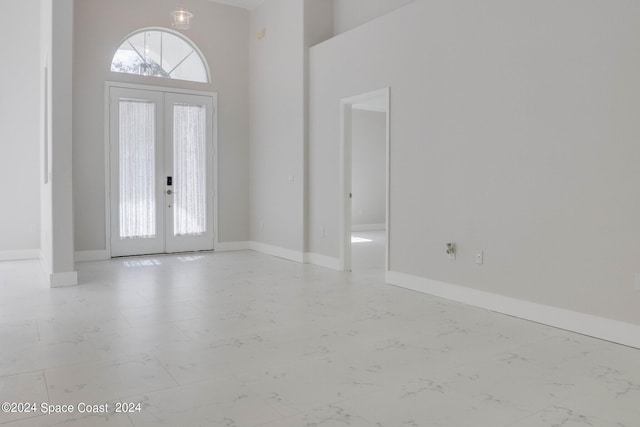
181, 18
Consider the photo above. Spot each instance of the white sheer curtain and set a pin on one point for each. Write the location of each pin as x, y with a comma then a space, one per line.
189, 170
137, 169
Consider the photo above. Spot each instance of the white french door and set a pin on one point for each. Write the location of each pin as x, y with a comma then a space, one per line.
161, 172
188, 161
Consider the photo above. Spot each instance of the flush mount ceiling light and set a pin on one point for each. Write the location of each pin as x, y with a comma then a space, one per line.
181, 18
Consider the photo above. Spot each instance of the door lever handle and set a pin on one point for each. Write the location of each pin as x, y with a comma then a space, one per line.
170, 192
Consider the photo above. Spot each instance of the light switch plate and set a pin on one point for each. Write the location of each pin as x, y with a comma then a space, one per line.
637, 281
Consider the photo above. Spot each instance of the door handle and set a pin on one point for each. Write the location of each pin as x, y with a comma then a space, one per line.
170, 192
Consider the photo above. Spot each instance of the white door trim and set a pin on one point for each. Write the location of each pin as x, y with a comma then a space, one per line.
107, 153
346, 106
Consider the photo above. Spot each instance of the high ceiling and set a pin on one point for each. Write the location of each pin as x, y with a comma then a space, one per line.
247, 4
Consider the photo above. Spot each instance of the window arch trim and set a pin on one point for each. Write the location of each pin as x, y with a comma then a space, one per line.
177, 34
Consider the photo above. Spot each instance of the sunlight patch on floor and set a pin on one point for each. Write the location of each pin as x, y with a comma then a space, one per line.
355, 239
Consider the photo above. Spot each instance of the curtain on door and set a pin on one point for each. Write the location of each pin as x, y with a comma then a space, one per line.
137, 169
190, 170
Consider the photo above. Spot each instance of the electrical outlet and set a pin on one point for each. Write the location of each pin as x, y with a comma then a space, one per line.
451, 250
480, 258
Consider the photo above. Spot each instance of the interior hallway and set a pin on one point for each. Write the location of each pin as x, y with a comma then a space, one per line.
368, 251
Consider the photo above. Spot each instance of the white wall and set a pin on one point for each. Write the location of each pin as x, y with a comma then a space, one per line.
46, 224
349, 14
56, 193
277, 124
318, 27
369, 167
318, 21
513, 131
20, 79
221, 32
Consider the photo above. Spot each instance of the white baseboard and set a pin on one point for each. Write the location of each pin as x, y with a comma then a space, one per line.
368, 227
19, 255
586, 324
277, 251
84, 256
291, 255
61, 280
231, 246
322, 260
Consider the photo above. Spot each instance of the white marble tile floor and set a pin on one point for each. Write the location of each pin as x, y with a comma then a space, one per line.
247, 340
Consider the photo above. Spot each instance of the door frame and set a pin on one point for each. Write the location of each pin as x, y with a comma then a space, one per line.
346, 165
107, 150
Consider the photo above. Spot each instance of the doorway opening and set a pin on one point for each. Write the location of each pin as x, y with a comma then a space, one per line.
365, 182
161, 166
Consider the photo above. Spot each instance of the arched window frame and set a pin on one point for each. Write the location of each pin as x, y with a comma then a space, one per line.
182, 37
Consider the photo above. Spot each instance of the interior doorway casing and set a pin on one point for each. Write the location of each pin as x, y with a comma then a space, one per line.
346, 108
213, 180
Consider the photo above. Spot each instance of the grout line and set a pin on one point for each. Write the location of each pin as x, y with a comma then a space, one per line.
38, 330
46, 385
155, 356
32, 371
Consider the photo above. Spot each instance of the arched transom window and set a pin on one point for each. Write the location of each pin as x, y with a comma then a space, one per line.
160, 53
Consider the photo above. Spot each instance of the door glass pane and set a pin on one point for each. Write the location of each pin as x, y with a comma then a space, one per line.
190, 170
137, 169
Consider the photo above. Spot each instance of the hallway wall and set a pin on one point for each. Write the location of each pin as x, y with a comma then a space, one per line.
20, 165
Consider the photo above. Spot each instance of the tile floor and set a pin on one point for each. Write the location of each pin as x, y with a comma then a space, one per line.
368, 251
244, 339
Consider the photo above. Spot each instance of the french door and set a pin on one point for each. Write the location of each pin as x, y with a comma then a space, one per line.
161, 160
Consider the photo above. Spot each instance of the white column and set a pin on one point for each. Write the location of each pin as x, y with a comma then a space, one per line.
57, 192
